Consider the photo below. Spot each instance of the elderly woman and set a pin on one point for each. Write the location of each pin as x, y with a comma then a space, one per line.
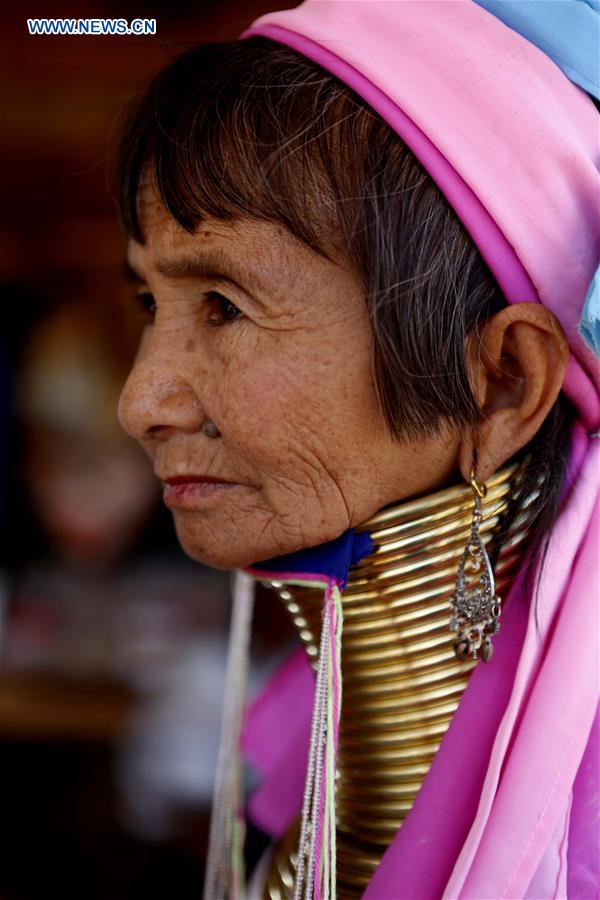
363, 235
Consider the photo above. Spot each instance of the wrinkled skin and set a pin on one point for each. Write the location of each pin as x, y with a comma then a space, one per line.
286, 378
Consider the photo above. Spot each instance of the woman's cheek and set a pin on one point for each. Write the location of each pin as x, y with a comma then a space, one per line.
275, 389
258, 404
261, 374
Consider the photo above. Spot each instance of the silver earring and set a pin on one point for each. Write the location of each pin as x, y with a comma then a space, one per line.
210, 429
476, 607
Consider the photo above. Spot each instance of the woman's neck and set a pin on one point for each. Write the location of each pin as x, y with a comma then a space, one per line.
401, 678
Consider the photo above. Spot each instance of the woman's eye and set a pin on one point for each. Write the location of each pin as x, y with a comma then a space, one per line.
146, 305
221, 309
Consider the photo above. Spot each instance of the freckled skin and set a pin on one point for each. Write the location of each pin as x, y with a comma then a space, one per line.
289, 386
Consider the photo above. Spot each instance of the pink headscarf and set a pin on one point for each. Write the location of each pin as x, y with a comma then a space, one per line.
509, 807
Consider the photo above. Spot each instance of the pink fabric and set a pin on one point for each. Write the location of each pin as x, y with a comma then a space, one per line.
514, 146
276, 743
550, 879
583, 855
557, 672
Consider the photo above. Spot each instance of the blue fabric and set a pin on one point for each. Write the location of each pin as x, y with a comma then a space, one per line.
568, 31
331, 559
589, 326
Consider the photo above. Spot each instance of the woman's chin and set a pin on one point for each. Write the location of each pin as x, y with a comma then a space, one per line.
237, 548
221, 558
209, 551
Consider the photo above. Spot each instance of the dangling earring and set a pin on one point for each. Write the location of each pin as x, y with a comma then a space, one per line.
476, 607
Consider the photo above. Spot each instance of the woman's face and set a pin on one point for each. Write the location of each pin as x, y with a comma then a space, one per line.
270, 341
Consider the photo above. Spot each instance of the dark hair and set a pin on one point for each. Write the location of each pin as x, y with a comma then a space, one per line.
252, 128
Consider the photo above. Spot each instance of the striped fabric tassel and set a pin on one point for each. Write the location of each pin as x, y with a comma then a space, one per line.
225, 862
316, 864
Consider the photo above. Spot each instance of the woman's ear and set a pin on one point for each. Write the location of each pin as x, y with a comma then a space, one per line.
517, 361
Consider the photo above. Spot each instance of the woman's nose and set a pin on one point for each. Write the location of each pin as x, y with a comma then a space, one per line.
156, 402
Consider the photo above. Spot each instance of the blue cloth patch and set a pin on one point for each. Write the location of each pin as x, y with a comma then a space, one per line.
589, 325
331, 559
568, 31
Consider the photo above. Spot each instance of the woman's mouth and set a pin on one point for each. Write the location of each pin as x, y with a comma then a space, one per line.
192, 491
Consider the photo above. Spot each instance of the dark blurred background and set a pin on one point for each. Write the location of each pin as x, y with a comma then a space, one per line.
112, 642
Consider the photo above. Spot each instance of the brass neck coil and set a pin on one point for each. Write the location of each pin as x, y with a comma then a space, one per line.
401, 679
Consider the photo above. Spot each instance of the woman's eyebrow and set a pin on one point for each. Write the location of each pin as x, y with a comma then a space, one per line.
216, 264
